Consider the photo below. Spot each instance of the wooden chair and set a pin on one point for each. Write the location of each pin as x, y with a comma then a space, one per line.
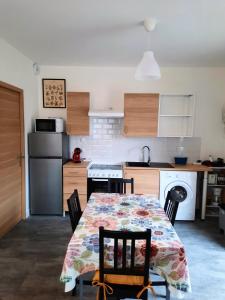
173, 198
119, 185
74, 209
75, 214
123, 278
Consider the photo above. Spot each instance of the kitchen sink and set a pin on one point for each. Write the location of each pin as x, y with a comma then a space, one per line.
146, 165
137, 164
160, 165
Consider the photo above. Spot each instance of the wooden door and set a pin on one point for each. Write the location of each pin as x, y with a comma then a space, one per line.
11, 157
77, 113
141, 114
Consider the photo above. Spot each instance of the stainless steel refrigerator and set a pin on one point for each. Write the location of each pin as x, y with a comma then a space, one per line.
47, 154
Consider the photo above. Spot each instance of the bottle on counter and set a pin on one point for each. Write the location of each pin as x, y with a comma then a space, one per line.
210, 158
180, 158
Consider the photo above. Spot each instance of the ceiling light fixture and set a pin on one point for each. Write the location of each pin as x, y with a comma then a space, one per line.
148, 68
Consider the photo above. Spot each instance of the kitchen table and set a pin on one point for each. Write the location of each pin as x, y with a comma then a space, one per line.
127, 212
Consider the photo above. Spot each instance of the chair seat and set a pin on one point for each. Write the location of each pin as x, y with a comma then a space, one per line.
120, 279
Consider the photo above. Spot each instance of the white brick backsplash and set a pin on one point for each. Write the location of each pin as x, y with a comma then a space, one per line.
97, 126
112, 131
116, 126
107, 136
107, 126
102, 121
111, 121
106, 140
97, 136
117, 132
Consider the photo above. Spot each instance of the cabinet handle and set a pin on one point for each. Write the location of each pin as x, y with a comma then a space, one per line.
20, 157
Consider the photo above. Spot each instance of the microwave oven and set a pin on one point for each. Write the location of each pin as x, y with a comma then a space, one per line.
49, 125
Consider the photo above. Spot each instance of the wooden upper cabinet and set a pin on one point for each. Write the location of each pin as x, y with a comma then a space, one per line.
141, 114
77, 113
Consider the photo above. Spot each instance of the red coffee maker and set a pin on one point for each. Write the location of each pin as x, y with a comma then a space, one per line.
76, 155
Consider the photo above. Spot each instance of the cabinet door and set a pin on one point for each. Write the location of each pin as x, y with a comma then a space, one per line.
141, 114
77, 113
145, 181
71, 183
82, 198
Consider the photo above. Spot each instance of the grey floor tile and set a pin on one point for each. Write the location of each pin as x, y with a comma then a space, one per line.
32, 254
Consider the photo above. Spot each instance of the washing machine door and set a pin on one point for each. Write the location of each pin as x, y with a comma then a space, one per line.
186, 209
179, 193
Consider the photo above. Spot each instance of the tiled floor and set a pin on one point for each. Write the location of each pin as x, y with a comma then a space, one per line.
31, 258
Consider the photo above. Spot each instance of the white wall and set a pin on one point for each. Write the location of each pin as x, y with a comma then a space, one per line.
107, 86
16, 69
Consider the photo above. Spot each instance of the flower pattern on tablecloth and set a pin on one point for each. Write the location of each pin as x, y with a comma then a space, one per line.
108, 223
128, 213
104, 209
91, 243
141, 222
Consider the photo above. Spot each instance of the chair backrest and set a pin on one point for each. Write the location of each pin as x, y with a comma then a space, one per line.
124, 253
119, 185
74, 209
171, 205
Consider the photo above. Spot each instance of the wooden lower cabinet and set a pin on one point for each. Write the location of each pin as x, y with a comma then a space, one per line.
82, 197
75, 177
145, 181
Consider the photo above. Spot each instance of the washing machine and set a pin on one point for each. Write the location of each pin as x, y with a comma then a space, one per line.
187, 182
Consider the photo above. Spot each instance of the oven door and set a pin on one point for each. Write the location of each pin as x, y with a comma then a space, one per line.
98, 185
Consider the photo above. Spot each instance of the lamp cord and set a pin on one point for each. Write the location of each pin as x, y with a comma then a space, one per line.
148, 41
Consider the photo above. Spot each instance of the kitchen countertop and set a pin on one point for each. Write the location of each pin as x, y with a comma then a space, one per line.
191, 167
187, 167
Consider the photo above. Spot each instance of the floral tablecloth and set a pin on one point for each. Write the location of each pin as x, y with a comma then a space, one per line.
127, 212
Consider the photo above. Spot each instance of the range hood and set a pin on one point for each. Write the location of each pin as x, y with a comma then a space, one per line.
106, 113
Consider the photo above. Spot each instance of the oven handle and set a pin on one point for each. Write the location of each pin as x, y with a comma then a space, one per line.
99, 179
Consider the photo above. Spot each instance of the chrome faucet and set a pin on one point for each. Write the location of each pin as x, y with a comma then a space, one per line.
143, 150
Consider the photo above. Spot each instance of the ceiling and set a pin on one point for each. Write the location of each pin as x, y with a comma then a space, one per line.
110, 32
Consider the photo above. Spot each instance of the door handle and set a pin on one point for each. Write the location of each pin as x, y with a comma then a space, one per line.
100, 180
20, 157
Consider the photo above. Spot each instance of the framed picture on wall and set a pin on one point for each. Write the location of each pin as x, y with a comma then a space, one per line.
54, 93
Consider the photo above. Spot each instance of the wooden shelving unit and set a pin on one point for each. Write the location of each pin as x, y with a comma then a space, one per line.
212, 210
176, 115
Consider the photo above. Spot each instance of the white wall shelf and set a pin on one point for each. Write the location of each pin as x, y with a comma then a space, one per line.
176, 115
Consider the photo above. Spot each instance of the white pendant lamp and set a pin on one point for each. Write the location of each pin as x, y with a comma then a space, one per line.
148, 68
